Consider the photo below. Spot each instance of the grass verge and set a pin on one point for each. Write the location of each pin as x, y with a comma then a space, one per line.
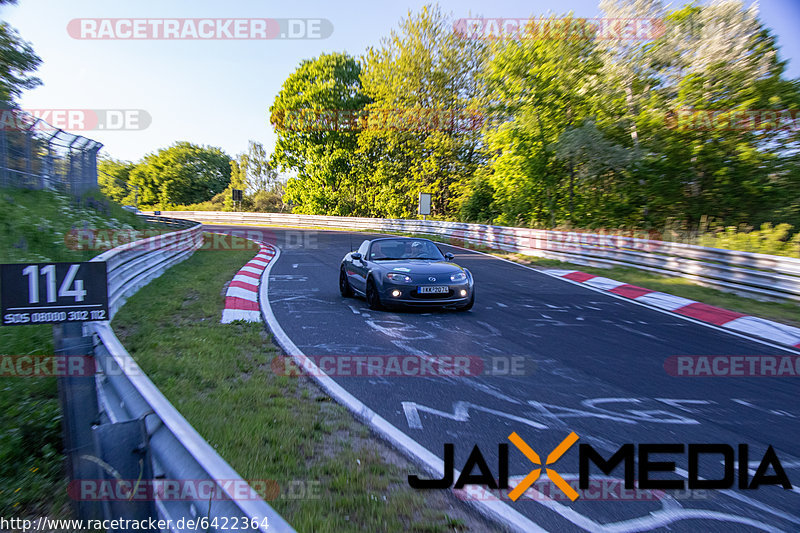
268, 426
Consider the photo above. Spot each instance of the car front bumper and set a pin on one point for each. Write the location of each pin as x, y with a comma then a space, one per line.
408, 295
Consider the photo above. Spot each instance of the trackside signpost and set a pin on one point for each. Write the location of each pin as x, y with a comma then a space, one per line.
424, 205
53, 293
65, 295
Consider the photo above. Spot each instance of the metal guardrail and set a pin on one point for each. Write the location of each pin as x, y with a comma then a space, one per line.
750, 274
123, 427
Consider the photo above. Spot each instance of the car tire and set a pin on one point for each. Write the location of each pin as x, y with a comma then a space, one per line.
373, 298
469, 304
344, 284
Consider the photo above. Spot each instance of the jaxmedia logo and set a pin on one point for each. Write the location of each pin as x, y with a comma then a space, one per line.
639, 464
389, 366
199, 29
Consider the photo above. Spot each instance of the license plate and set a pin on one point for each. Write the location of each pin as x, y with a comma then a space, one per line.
432, 289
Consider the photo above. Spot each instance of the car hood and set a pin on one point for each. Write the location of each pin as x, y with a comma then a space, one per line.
419, 267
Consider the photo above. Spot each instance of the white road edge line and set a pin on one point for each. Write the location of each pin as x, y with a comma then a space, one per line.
494, 510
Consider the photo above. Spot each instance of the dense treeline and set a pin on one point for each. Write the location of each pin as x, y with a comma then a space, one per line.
189, 176
547, 128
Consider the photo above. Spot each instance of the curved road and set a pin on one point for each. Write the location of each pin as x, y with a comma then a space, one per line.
590, 363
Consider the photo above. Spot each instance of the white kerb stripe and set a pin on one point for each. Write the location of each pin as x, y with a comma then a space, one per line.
605, 284
664, 300
246, 279
229, 315
766, 329
254, 270
560, 273
244, 294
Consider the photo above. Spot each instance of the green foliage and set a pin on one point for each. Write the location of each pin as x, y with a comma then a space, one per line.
17, 61
771, 240
322, 157
252, 173
478, 205
583, 132
184, 173
422, 72
113, 177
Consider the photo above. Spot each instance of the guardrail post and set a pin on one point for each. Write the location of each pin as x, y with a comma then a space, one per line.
77, 395
124, 459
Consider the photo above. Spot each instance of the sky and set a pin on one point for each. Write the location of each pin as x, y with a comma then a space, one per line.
218, 92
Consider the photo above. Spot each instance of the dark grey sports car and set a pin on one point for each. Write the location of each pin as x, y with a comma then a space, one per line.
396, 271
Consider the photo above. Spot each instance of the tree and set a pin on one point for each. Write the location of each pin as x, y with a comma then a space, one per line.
182, 174
252, 173
423, 83
714, 57
17, 62
316, 139
113, 176
543, 84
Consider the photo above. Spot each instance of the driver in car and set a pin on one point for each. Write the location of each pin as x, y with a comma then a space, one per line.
417, 250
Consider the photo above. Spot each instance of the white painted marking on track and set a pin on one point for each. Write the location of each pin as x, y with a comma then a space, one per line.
678, 403
460, 413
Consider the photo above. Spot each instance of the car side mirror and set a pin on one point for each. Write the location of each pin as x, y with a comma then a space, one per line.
449, 256
356, 256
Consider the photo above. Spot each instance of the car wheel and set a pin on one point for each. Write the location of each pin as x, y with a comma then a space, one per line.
469, 304
373, 298
344, 285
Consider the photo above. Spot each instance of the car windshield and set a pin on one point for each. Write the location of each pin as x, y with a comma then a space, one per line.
388, 249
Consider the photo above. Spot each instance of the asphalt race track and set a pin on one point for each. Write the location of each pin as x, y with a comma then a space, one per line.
593, 364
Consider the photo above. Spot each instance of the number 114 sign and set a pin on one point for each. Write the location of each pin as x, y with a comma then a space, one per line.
53, 293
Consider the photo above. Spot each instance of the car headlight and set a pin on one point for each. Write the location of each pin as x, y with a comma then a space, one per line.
458, 276
394, 276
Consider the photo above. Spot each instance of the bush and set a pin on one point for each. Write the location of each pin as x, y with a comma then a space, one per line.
776, 240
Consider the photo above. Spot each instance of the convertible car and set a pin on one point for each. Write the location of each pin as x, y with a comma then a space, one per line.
400, 271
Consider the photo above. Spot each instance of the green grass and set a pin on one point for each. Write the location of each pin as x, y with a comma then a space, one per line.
268, 426
33, 225
786, 312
